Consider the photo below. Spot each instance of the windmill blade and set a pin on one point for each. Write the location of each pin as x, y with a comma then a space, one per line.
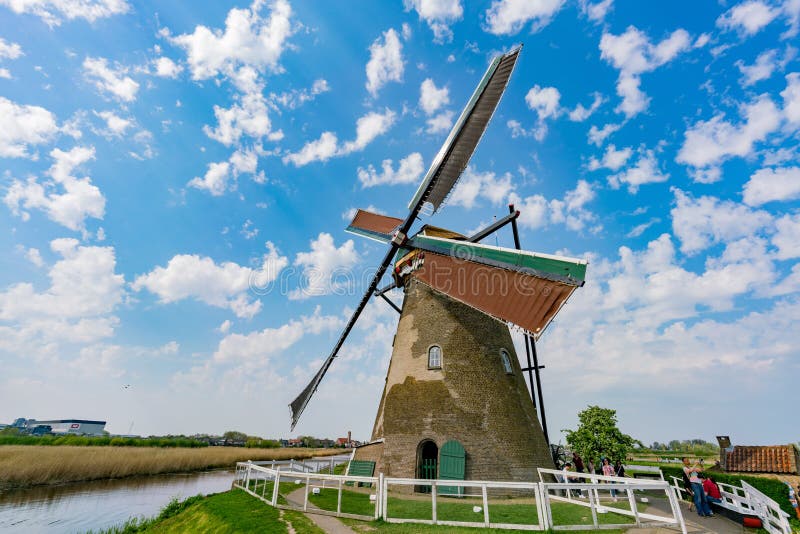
374, 226
454, 155
298, 405
523, 288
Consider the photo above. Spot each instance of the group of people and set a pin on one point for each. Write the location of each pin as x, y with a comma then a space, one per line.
702, 489
606, 469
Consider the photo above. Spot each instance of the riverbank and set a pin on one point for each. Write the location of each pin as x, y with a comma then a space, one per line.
30, 465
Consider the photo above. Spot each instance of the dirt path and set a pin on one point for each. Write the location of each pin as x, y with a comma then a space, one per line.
694, 523
325, 522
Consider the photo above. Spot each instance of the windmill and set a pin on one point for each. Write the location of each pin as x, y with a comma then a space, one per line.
455, 403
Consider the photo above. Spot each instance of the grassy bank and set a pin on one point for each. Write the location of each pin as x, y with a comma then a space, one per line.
223, 513
30, 465
236, 511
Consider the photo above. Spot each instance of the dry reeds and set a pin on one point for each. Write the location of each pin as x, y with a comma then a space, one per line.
29, 465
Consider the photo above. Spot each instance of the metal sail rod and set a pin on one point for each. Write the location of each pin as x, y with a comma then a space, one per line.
392, 304
539, 388
494, 227
386, 289
515, 232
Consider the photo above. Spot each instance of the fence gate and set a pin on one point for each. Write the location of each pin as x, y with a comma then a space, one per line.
452, 460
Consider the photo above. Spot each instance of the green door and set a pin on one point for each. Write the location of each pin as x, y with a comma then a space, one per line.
451, 467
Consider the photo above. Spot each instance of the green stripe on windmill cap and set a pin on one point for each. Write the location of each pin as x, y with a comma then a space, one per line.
558, 265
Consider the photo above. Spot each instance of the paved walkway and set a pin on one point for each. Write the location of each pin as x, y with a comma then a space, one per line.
329, 524
694, 523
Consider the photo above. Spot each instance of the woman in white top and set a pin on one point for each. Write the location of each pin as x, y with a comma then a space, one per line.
699, 496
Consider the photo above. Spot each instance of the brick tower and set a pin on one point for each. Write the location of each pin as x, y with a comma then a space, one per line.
454, 376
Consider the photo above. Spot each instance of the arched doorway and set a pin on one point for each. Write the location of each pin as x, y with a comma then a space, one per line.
427, 463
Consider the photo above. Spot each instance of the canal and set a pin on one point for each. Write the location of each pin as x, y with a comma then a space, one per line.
101, 504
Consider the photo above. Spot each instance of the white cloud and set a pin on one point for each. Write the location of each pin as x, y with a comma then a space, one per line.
259, 346
250, 39
787, 237
67, 200
297, 97
709, 143
224, 285
326, 269
768, 185
537, 212
544, 101
748, 17
702, 222
613, 159
321, 149
368, 127
9, 50
115, 124
431, 98
439, 14
580, 113
53, 11
76, 307
791, 9
215, 181
439, 123
762, 69
646, 171
408, 171
248, 116
633, 54
5, 74
597, 136
110, 80
474, 185
34, 256
166, 68
385, 62
596, 11
507, 17
22, 125
249, 231
791, 98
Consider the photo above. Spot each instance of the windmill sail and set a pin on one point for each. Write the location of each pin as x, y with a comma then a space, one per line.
454, 155
523, 288
374, 226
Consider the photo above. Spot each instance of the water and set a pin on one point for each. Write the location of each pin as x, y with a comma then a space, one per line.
101, 504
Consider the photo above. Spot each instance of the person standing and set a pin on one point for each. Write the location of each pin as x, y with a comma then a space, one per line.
578, 462
698, 495
608, 471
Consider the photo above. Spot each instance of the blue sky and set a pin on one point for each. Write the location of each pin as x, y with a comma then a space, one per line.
176, 182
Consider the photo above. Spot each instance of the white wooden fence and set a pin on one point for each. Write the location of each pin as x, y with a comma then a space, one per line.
747, 500
263, 482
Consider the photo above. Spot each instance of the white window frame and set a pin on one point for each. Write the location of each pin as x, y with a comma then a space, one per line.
505, 357
439, 366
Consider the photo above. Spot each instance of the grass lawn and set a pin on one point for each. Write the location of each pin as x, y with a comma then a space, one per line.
521, 511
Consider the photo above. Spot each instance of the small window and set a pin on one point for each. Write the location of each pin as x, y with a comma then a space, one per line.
506, 361
435, 357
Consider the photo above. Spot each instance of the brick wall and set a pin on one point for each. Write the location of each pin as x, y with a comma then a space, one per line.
471, 399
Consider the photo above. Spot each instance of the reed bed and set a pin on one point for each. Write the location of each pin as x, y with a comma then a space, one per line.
30, 465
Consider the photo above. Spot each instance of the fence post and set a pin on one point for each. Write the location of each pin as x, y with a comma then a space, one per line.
538, 492
275, 488
634, 507
339, 498
384, 497
674, 501
485, 505
433, 501
592, 498
379, 497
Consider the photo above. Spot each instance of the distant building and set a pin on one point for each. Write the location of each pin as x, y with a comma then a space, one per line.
781, 459
69, 426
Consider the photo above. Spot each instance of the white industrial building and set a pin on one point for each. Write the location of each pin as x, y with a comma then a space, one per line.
70, 426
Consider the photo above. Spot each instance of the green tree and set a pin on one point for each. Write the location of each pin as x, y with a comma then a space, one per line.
233, 435
597, 436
